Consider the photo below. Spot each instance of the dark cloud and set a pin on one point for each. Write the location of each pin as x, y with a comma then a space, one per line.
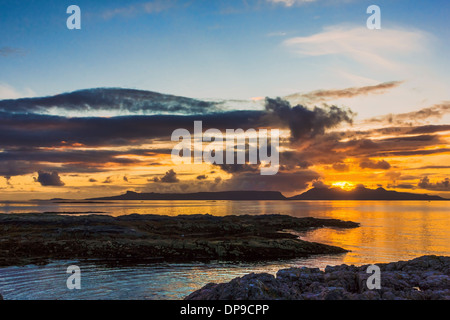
8, 182
234, 168
92, 180
202, 177
436, 111
37, 131
413, 152
110, 99
108, 180
428, 167
291, 160
419, 138
20, 161
396, 146
283, 181
49, 179
188, 186
64, 155
38, 142
169, 177
16, 168
399, 130
443, 185
42, 130
304, 122
405, 186
340, 166
430, 129
320, 184
370, 164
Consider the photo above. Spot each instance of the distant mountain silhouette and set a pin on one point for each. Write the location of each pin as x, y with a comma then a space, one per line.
225, 195
361, 193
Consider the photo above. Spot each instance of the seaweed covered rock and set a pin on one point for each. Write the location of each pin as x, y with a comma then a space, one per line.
37, 238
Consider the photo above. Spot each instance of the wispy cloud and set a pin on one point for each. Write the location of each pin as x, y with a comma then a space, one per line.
325, 95
9, 51
290, 3
140, 8
8, 92
378, 48
434, 112
276, 34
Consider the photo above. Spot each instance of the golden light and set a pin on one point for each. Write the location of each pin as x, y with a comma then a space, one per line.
344, 185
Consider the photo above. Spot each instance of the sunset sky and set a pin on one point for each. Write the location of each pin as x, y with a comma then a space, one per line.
90, 112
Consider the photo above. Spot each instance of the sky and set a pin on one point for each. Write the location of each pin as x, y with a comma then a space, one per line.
79, 113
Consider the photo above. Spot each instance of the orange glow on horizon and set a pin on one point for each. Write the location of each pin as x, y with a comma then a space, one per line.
344, 185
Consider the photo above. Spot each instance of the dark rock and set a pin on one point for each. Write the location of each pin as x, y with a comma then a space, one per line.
37, 238
424, 278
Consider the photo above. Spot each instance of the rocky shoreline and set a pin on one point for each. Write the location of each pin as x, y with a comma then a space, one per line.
41, 237
423, 278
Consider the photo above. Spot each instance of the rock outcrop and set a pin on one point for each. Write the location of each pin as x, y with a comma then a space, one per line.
424, 278
36, 238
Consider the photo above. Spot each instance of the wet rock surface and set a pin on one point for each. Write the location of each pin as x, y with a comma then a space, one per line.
38, 238
424, 278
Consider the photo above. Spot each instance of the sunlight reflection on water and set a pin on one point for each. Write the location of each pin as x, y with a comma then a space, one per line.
390, 231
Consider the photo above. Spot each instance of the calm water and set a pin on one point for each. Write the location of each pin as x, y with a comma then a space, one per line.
390, 231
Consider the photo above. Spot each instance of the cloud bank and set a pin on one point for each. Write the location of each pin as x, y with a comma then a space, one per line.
313, 141
113, 101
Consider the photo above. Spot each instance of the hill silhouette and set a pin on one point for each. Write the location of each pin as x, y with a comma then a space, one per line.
361, 193
224, 195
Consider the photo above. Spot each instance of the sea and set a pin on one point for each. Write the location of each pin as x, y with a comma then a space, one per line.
390, 231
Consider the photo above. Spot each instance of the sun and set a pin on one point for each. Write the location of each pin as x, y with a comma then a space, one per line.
344, 185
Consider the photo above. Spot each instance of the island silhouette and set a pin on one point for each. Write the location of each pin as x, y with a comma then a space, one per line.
322, 193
